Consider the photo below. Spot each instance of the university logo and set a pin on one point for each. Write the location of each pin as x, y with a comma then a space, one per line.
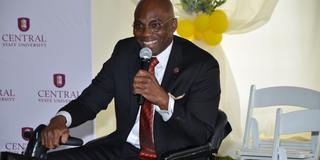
23, 24
25, 133
59, 80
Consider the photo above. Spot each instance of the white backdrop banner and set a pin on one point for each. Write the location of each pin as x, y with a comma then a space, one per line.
45, 62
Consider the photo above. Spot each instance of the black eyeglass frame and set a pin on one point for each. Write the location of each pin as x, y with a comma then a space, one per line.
155, 26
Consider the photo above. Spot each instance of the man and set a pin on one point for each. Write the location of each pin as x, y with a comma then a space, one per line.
184, 91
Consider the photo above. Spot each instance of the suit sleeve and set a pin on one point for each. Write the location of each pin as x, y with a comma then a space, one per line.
95, 97
195, 114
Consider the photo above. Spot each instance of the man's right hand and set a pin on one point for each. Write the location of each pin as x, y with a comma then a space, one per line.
55, 132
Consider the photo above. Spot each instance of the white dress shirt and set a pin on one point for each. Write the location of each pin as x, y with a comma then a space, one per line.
160, 68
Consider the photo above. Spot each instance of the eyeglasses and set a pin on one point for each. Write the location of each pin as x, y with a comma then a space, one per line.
154, 26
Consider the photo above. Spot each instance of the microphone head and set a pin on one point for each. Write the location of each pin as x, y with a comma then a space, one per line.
145, 53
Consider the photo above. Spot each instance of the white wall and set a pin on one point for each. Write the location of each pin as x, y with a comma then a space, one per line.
285, 51
112, 20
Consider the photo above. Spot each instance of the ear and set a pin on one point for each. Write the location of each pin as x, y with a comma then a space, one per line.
174, 25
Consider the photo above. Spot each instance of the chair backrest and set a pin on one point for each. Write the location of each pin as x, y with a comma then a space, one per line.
296, 122
277, 96
222, 129
285, 95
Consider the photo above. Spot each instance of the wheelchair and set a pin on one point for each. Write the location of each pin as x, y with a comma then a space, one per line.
35, 151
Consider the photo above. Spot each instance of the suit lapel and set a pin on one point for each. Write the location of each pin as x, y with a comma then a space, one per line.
173, 69
174, 65
170, 74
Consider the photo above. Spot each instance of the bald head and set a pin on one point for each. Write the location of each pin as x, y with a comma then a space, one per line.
164, 6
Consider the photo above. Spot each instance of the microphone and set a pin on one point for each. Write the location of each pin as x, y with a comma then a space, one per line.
145, 56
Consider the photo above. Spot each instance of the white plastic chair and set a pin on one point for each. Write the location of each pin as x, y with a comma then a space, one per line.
252, 146
296, 122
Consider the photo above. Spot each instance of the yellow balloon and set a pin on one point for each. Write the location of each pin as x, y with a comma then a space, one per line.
219, 21
212, 38
185, 28
202, 22
198, 35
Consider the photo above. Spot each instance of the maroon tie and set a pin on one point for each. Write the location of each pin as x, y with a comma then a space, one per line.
147, 150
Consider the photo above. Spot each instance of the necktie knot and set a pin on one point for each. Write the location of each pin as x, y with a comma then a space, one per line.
153, 62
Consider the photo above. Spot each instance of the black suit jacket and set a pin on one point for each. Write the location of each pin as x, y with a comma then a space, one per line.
190, 71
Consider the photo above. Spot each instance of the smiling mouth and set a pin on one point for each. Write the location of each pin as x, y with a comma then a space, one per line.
150, 43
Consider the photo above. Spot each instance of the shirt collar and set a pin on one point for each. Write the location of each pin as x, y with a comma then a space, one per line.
163, 57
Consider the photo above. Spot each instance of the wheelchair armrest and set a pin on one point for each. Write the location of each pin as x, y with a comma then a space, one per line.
35, 148
191, 153
222, 129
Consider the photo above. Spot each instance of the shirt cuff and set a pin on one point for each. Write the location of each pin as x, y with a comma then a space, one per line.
67, 116
166, 114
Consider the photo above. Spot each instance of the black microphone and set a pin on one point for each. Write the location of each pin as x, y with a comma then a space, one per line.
145, 56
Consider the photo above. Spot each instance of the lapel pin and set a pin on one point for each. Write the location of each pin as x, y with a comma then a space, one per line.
176, 70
